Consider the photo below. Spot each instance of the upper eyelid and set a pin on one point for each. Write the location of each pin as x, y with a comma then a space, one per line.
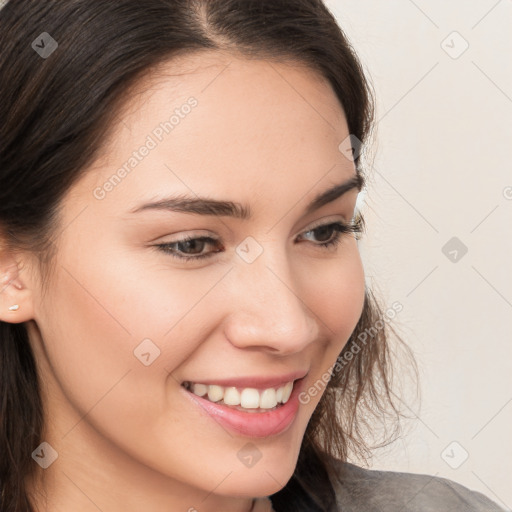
310, 227
324, 222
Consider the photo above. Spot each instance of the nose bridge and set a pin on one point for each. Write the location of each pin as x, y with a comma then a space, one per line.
267, 309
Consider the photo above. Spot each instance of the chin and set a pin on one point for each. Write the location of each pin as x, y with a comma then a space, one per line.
263, 479
255, 486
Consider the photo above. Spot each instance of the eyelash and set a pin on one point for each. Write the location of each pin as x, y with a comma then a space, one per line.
340, 229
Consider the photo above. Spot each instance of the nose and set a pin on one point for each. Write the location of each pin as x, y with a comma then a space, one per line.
268, 309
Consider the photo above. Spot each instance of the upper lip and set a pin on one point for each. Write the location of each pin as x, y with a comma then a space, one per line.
258, 382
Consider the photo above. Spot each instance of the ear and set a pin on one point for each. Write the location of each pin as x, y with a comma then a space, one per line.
16, 297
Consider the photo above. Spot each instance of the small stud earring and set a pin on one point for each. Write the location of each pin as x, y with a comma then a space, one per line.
14, 308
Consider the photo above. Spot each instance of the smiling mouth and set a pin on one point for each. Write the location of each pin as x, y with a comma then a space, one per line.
243, 399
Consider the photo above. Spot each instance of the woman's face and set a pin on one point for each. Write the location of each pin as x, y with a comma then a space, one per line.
123, 323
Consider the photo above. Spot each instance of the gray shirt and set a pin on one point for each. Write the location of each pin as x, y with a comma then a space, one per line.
367, 490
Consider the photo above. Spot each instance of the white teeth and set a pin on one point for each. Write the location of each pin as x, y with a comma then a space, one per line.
231, 396
268, 399
247, 398
200, 389
250, 398
215, 393
287, 391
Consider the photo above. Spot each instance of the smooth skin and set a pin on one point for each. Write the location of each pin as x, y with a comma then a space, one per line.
264, 134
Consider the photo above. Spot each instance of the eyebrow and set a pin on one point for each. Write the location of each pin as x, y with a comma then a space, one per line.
206, 206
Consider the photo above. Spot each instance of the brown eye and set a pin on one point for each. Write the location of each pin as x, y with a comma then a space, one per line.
339, 228
179, 248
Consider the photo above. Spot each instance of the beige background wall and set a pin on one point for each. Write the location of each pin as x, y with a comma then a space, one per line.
443, 169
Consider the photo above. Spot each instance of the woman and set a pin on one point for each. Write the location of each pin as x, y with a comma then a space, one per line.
185, 324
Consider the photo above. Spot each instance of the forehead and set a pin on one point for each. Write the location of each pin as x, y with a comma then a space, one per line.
219, 123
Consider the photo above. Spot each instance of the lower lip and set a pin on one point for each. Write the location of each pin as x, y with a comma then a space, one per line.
253, 424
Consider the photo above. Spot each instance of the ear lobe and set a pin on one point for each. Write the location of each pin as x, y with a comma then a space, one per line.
15, 297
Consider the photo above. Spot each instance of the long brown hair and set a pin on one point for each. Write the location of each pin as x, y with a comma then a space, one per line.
55, 115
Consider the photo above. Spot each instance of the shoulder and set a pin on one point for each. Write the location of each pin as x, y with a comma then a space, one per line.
367, 490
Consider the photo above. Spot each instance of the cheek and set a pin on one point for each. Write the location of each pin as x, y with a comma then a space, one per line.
337, 299
115, 328
337, 294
